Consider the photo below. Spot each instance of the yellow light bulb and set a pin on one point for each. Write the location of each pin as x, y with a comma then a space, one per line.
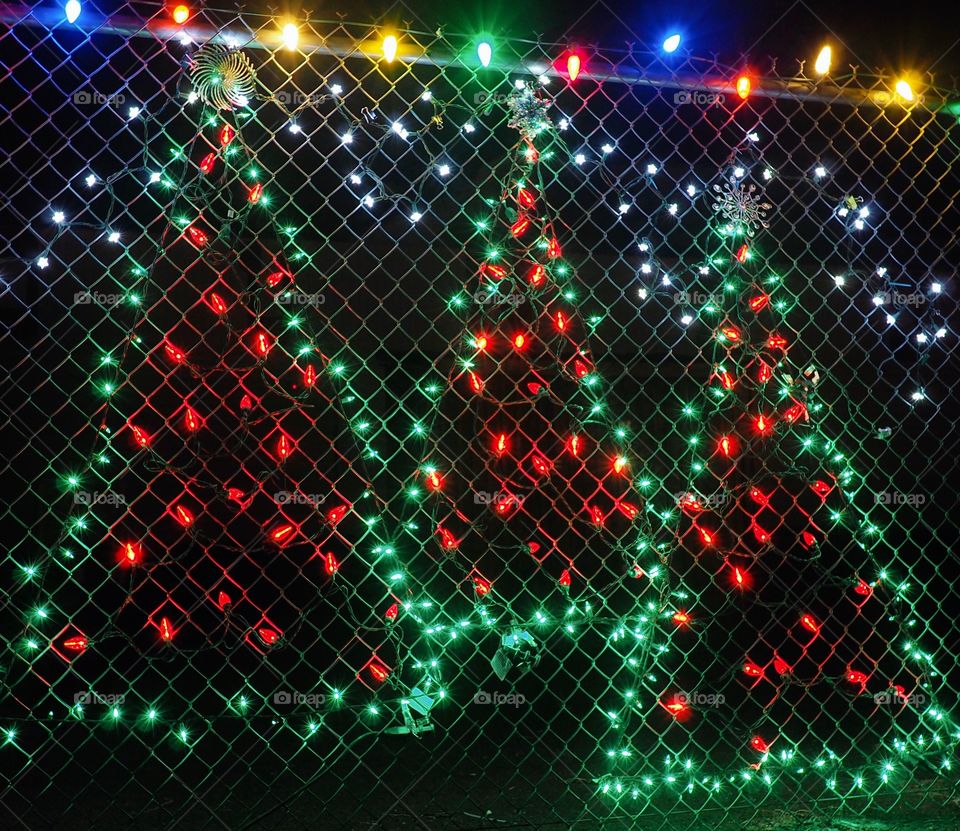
389, 48
290, 36
904, 90
822, 66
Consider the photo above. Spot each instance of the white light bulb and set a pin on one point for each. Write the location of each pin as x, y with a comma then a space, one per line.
686, 319
336, 89
936, 288
368, 200
72, 10
623, 207
114, 236
941, 332
58, 217
294, 127
563, 124
891, 319
544, 80
881, 271
346, 138
607, 148
468, 127
133, 112
739, 172
519, 84
878, 300
672, 209
579, 158
864, 212
753, 136
643, 294
666, 280
651, 169
42, 262
917, 395
426, 95
646, 268
922, 337
91, 180
416, 216
767, 173
704, 269
354, 179
838, 279
691, 190
858, 224
843, 212
819, 171
643, 246
154, 177
444, 170
192, 98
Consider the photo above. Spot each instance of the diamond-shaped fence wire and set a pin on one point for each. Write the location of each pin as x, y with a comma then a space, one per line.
419, 443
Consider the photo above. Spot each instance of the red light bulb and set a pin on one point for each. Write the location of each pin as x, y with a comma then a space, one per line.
77, 643
282, 534
521, 225
536, 276
131, 554
628, 509
495, 272
335, 515
596, 515
197, 236
330, 563
140, 437
216, 302
447, 539
268, 636
182, 515
166, 630
810, 623
757, 743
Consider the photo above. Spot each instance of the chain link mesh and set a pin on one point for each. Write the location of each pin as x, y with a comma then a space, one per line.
264, 556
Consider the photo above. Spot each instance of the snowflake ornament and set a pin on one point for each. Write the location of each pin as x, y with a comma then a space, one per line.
528, 112
739, 204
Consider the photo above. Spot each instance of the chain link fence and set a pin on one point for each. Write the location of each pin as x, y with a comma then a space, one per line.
420, 443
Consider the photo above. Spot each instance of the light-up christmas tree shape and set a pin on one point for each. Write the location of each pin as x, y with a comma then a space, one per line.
523, 518
231, 522
793, 637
